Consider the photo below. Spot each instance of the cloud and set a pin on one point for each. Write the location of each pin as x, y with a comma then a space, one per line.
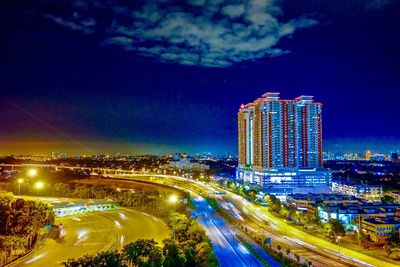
234, 11
377, 4
83, 26
215, 33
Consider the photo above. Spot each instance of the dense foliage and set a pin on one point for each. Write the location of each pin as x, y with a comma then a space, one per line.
334, 228
20, 223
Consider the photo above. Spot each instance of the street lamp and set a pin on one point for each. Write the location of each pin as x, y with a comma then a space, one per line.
32, 172
20, 181
338, 240
39, 185
173, 199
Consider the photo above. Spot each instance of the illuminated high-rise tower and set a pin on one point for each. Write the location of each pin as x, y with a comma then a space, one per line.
283, 136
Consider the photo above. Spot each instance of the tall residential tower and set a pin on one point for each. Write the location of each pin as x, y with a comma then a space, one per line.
280, 144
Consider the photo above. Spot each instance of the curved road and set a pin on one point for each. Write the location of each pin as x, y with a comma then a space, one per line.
91, 233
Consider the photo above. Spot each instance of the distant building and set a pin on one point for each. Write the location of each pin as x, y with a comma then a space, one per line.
380, 229
351, 156
394, 156
280, 144
328, 156
184, 164
378, 157
396, 196
310, 202
32, 157
368, 155
351, 215
358, 190
58, 155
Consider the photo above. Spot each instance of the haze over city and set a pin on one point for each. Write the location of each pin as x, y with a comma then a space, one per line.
83, 77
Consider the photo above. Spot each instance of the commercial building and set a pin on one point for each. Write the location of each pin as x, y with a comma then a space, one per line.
311, 202
358, 190
378, 157
280, 145
394, 156
352, 215
368, 155
378, 230
184, 163
395, 195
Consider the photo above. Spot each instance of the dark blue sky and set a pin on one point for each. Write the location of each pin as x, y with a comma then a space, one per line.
86, 76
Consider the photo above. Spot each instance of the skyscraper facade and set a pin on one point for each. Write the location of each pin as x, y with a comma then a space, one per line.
279, 140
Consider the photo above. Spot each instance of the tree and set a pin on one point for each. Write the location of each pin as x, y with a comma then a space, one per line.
387, 199
189, 250
203, 257
108, 258
196, 233
285, 211
388, 247
334, 228
304, 218
180, 225
274, 204
142, 252
172, 255
251, 193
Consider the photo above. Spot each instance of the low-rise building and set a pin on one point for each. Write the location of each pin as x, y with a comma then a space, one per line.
358, 190
380, 229
396, 196
185, 164
352, 215
312, 201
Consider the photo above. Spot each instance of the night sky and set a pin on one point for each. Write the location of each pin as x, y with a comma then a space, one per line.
157, 76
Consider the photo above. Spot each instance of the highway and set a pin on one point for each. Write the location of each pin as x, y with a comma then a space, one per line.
321, 252
228, 249
91, 233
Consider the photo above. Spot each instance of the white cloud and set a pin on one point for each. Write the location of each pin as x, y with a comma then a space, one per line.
83, 26
197, 32
377, 4
234, 11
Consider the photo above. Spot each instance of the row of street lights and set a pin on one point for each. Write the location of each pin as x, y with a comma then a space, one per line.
31, 173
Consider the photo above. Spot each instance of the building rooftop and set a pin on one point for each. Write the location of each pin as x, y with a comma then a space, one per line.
361, 208
355, 184
323, 197
386, 220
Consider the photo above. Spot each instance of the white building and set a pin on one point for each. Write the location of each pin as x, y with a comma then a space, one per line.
358, 190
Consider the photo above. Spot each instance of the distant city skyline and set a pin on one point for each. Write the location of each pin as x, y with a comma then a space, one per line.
73, 74
46, 147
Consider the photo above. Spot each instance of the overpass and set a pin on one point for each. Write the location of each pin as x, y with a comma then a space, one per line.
92, 170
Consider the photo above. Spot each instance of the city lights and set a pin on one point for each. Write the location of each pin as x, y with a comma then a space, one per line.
173, 199
32, 172
38, 186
